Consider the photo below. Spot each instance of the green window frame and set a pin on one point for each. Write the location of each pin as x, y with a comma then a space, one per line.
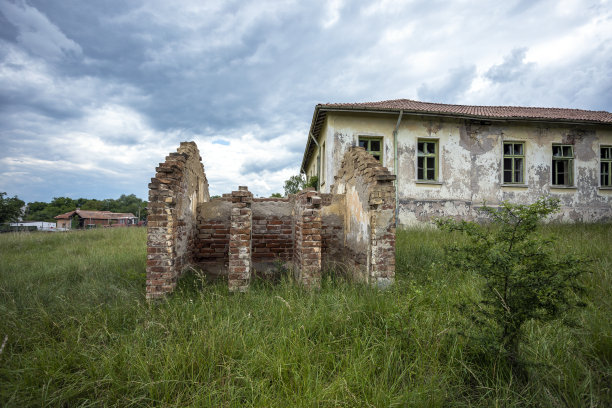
427, 160
514, 163
562, 165
605, 166
373, 145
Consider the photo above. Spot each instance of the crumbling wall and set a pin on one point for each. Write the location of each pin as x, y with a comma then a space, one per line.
369, 216
238, 235
272, 233
176, 190
307, 236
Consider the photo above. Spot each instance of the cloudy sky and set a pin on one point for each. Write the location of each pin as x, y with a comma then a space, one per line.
93, 94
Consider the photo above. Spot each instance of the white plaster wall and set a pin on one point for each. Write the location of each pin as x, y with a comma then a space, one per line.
470, 163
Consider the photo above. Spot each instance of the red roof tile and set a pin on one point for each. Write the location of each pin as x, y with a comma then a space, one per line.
96, 215
485, 112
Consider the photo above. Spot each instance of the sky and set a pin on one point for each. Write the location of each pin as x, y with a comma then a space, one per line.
94, 94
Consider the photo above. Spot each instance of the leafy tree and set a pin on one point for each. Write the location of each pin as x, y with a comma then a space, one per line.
297, 183
523, 278
294, 184
277, 195
10, 208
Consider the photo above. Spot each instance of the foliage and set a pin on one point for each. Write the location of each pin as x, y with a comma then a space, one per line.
277, 195
41, 211
294, 184
80, 333
524, 279
10, 208
312, 182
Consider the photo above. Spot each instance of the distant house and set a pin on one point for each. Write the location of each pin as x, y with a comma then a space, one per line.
33, 226
90, 219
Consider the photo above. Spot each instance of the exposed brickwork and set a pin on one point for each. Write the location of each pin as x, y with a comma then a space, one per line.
179, 184
240, 251
307, 235
272, 238
231, 236
370, 193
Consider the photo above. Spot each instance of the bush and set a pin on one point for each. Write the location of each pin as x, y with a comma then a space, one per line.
523, 278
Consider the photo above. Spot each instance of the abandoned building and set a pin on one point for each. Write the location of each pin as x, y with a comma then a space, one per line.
351, 227
91, 219
449, 159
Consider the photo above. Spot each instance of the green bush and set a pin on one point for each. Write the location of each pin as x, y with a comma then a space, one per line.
524, 279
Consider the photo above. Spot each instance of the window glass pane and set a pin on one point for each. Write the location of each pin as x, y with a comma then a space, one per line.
507, 148
375, 145
377, 157
420, 147
605, 152
431, 148
518, 170
431, 174
507, 163
556, 151
518, 149
567, 151
363, 143
508, 176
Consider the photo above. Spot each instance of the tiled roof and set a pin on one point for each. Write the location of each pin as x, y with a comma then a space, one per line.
96, 215
408, 106
485, 112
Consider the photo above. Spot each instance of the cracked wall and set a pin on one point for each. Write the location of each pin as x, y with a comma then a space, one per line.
470, 163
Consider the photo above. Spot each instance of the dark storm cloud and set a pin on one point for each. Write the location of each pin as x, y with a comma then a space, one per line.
450, 88
110, 87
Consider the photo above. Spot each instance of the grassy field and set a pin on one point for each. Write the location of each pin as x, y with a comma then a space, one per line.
80, 333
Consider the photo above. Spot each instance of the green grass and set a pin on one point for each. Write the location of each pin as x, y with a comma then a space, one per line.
80, 333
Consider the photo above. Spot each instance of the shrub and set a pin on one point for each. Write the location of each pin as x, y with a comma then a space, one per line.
523, 278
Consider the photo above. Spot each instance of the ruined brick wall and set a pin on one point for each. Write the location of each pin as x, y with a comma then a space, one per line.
332, 232
238, 235
369, 216
176, 190
212, 241
272, 232
307, 238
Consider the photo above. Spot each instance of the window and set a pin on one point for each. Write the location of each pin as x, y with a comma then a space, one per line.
427, 160
563, 165
373, 145
514, 162
606, 166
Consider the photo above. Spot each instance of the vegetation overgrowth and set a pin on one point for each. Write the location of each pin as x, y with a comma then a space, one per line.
80, 333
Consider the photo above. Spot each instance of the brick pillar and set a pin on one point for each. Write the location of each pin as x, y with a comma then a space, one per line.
240, 240
382, 227
307, 236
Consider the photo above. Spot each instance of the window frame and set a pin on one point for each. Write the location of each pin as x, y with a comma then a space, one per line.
369, 139
427, 156
605, 161
563, 158
513, 157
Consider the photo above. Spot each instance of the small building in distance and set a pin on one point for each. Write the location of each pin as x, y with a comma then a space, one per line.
91, 219
32, 226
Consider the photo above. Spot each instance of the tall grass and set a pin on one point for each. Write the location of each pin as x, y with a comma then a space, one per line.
80, 333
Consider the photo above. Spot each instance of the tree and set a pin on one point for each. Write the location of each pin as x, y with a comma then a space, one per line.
523, 279
297, 183
294, 184
276, 195
10, 208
